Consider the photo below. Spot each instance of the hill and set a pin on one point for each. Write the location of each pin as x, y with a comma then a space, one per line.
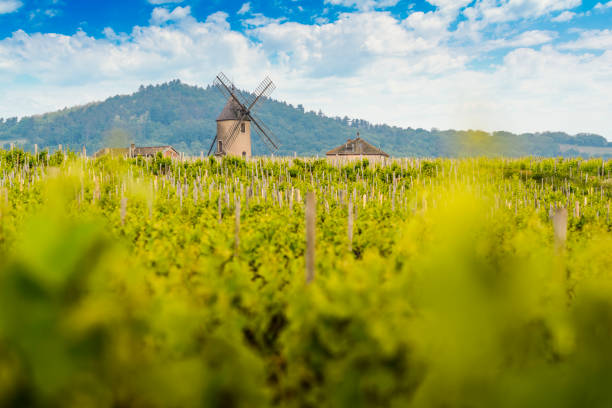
184, 116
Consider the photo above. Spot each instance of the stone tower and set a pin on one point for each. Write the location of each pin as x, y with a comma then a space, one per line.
240, 146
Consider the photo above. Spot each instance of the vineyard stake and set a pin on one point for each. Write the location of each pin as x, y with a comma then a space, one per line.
350, 225
237, 230
310, 236
123, 210
560, 227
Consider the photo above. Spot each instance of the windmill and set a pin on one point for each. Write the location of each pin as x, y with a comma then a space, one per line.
235, 122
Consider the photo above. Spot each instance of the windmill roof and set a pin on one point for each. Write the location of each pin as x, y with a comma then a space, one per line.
231, 111
357, 146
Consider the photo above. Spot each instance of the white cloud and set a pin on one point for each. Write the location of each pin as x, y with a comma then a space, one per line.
194, 52
499, 11
434, 25
112, 36
525, 39
564, 17
368, 65
9, 6
52, 12
451, 6
590, 40
161, 15
218, 20
258, 20
343, 47
603, 6
245, 8
157, 2
364, 4
428, 24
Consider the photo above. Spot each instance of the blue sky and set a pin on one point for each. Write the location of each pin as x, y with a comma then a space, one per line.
518, 65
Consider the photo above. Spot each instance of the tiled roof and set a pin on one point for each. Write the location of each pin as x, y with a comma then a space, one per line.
231, 111
357, 146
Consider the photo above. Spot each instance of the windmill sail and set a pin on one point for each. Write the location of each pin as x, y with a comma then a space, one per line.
229, 90
265, 134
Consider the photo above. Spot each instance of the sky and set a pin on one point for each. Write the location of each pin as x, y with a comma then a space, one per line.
514, 65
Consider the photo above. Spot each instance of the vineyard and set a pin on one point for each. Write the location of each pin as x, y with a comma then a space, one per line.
420, 283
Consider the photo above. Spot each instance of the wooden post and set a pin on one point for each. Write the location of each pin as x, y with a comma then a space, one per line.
577, 210
560, 227
310, 236
350, 225
219, 207
123, 210
96, 192
82, 196
560, 230
237, 230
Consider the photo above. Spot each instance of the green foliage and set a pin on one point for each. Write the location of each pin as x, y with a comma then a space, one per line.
121, 286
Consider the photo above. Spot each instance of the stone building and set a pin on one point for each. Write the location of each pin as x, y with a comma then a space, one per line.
356, 149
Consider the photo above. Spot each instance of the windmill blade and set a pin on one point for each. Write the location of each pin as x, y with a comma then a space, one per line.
264, 90
265, 134
264, 137
229, 90
225, 92
247, 100
212, 145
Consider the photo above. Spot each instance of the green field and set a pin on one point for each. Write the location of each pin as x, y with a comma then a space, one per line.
130, 283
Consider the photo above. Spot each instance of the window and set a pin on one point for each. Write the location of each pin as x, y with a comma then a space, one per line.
244, 155
243, 128
220, 146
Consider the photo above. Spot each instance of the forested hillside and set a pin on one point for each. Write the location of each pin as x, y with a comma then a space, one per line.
184, 116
